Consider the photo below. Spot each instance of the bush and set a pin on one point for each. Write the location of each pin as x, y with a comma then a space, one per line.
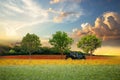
12, 51
4, 50
46, 51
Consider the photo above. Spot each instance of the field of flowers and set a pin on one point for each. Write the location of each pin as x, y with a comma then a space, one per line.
113, 60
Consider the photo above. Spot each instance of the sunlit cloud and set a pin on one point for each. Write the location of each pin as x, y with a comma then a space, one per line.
70, 13
55, 1
45, 42
13, 8
106, 27
59, 1
16, 15
20, 14
66, 16
74, 30
108, 50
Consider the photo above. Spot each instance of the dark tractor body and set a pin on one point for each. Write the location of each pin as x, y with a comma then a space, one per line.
75, 55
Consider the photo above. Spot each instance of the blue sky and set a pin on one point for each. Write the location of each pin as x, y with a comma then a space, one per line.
45, 17
75, 12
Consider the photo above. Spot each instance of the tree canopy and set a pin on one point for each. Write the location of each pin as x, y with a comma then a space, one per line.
89, 43
30, 43
61, 41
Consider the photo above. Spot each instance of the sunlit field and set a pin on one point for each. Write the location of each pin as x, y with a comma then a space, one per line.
47, 69
111, 60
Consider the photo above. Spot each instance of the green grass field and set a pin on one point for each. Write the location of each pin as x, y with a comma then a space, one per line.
60, 72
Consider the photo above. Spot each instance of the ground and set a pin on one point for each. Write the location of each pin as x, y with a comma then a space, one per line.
57, 69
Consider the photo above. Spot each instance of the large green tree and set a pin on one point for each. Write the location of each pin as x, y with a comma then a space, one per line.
89, 43
61, 41
30, 43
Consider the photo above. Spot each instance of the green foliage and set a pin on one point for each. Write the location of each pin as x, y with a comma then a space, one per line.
48, 50
12, 51
30, 43
4, 49
45, 50
89, 43
17, 48
61, 41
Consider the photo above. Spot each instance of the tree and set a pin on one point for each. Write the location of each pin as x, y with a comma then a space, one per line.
30, 43
89, 43
61, 41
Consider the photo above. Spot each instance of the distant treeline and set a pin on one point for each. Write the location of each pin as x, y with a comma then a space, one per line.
17, 50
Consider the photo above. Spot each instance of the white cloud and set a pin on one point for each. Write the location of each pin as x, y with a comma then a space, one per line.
34, 10
14, 8
16, 15
69, 10
85, 26
106, 27
74, 30
59, 1
55, 1
64, 16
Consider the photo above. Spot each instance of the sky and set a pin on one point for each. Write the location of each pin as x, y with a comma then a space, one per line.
75, 17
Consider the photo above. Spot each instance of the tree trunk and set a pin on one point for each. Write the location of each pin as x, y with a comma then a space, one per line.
29, 55
61, 50
91, 54
62, 55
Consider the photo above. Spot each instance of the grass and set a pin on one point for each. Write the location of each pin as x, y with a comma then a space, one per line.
60, 72
25, 69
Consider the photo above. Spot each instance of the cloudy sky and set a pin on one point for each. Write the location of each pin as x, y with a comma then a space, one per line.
76, 17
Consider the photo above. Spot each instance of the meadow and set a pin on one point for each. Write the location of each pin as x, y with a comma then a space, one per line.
60, 72
46, 69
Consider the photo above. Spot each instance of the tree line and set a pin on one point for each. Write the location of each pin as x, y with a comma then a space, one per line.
60, 41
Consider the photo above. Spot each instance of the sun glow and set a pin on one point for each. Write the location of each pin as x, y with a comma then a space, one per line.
11, 32
108, 51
